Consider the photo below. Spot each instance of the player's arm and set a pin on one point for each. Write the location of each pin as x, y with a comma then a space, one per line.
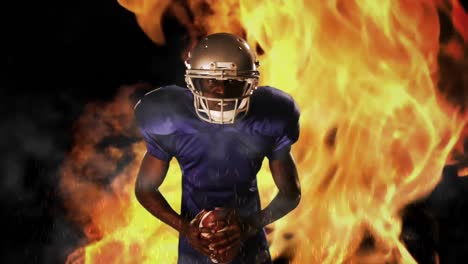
284, 174
150, 176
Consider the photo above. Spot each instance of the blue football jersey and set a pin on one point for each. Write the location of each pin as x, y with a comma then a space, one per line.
219, 163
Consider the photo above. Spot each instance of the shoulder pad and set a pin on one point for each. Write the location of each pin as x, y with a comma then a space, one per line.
163, 110
274, 109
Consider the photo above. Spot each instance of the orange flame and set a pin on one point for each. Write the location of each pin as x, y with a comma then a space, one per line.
460, 19
375, 133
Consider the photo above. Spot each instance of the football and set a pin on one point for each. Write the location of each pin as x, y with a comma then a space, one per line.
216, 220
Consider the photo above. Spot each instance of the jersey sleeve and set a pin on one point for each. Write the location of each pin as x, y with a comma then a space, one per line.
158, 145
289, 134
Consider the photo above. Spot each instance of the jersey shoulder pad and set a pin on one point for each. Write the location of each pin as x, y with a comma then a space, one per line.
163, 111
275, 109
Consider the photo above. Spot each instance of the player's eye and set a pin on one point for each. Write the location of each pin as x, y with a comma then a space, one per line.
212, 83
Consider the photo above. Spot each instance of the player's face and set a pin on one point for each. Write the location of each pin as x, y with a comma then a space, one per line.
221, 89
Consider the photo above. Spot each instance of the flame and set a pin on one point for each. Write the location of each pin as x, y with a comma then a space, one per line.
365, 77
375, 132
97, 184
460, 19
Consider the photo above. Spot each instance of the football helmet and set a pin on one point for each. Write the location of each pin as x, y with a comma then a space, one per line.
222, 75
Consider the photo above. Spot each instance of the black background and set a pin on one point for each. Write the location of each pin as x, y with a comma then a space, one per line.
61, 56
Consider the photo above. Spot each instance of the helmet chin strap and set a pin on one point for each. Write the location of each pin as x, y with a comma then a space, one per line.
222, 116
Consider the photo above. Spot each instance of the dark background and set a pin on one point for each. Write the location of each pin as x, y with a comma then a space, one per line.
61, 56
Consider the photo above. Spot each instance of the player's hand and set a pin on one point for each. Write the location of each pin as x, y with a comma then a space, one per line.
230, 237
193, 234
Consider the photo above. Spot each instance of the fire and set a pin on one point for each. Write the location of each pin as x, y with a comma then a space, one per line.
375, 133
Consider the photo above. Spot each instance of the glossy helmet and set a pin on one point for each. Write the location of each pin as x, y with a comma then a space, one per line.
226, 58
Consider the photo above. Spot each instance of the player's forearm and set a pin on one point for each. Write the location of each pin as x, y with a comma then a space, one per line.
158, 206
281, 205
284, 173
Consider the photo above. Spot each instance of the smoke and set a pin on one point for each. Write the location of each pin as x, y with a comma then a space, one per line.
39, 132
35, 131
60, 58
35, 138
103, 140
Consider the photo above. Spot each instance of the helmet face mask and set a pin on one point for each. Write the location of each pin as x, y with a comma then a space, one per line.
222, 89
222, 75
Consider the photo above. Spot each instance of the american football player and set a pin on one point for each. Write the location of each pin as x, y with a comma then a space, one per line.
219, 128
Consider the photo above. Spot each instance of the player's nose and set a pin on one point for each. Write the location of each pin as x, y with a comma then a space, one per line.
218, 89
